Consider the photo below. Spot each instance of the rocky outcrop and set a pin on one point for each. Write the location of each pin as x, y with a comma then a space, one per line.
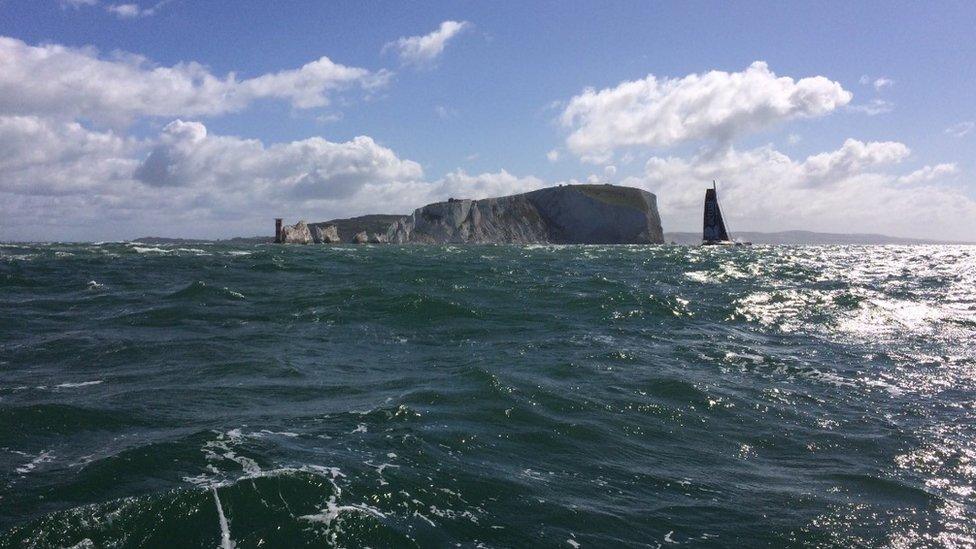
360, 238
378, 238
325, 234
296, 234
568, 214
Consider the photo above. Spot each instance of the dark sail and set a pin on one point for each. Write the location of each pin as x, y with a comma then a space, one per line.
714, 230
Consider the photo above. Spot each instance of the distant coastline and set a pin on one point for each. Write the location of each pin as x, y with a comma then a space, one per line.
811, 238
784, 238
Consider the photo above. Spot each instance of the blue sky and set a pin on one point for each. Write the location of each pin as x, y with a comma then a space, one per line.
883, 142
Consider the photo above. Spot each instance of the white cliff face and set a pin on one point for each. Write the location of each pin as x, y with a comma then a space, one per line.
296, 234
572, 214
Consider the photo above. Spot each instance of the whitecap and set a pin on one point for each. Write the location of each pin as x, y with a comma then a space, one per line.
79, 384
43, 457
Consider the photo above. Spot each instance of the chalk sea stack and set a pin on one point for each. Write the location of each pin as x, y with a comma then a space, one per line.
325, 234
296, 234
568, 214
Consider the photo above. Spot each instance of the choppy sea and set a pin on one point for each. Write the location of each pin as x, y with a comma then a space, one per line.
209, 395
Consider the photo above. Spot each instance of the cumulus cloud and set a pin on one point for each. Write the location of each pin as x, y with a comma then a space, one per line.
459, 184
764, 189
716, 106
308, 169
54, 80
45, 157
188, 181
424, 50
961, 129
929, 173
852, 158
553, 155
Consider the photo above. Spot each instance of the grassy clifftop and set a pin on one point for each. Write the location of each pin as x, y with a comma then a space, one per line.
626, 197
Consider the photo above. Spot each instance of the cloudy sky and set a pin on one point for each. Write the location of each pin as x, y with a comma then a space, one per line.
120, 119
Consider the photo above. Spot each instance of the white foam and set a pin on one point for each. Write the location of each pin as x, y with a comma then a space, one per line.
361, 428
332, 511
418, 515
225, 541
43, 457
238, 295
76, 385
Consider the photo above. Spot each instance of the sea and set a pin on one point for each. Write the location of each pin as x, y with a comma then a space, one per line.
260, 395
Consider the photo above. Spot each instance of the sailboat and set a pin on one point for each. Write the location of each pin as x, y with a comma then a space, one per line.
714, 232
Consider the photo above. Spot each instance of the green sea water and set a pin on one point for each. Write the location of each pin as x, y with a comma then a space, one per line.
208, 395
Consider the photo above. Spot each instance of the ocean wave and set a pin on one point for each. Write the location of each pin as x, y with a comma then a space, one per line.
497, 395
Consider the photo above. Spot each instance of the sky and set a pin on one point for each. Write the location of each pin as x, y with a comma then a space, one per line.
208, 119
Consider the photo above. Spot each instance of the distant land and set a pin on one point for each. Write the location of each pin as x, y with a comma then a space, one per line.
786, 238
808, 238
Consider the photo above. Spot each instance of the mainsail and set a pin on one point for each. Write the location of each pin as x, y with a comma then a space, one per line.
714, 230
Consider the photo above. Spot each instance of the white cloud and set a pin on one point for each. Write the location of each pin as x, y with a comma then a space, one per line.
961, 129
424, 50
89, 177
186, 156
882, 82
54, 80
45, 157
63, 181
553, 155
459, 184
126, 10
852, 158
929, 173
78, 3
878, 83
715, 106
794, 138
445, 112
873, 107
846, 190
129, 11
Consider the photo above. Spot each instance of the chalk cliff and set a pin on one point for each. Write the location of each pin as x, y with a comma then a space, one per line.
568, 214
